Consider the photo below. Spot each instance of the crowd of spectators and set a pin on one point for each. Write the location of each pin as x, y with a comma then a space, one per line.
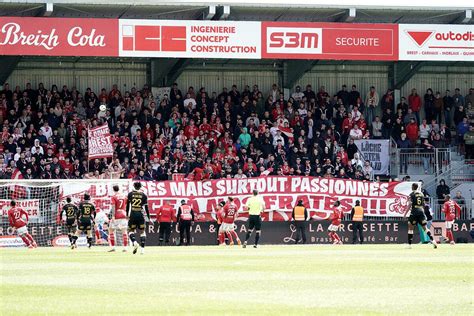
232, 133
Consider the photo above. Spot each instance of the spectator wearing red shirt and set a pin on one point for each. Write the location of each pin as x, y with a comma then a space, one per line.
412, 132
414, 101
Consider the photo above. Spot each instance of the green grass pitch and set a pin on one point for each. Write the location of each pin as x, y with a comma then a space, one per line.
276, 280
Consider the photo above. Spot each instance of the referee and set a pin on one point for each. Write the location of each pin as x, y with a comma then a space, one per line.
255, 206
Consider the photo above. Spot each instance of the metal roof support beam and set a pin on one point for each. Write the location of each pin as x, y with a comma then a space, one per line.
176, 71
401, 72
222, 13
7, 65
293, 70
159, 70
349, 16
49, 9
210, 12
464, 18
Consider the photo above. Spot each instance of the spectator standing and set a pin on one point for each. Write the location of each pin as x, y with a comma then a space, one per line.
458, 98
425, 130
469, 143
404, 144
438, 107
441, 191
300, 216
414, 102
371, 103
458, 198
428, 104
357, 215
377, 128
448, 103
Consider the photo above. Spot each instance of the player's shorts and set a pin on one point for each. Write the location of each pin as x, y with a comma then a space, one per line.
22, 230
70, 222
85, 224
449, 224
255, 221
227, 227
333, 228
417, 217
119, 224
136, 221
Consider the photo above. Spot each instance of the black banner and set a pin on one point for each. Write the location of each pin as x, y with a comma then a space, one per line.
374, 232
205, 233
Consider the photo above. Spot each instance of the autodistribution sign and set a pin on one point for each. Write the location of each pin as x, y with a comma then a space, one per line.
436, 42
234, 40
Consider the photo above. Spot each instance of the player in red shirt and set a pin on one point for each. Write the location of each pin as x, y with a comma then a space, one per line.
166, 216
18, 219
229, 212
336, 218
451, 210
118, 219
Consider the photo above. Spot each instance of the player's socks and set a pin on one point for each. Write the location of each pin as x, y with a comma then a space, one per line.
247, 236
331, 236
410, 238
244, 245
89, 242
236, 237
142, 241
30, 238
74, 239
229, 236
132, 237
112, 240
70, 238
450, 236
337, 238
257, 238
428, 232
25, 240
125, 239
221, 238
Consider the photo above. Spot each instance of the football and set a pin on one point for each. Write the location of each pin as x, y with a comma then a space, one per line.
103, 107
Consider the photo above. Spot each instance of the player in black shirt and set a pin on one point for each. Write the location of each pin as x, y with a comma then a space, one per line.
417, 215
85, 217
71, 212
137, 202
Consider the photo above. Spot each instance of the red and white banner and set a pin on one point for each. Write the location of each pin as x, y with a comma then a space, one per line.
30, 206
279, 193
295, 40
189, 39
100, 142
436, 42
234, 40
58, 36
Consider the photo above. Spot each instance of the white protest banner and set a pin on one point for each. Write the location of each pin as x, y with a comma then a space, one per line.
377, 152
100, 143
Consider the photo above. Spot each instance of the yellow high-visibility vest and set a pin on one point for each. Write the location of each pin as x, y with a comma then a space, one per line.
299, 213
358, 214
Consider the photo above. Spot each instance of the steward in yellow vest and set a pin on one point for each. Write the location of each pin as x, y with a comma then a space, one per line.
300, 216
357, 219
